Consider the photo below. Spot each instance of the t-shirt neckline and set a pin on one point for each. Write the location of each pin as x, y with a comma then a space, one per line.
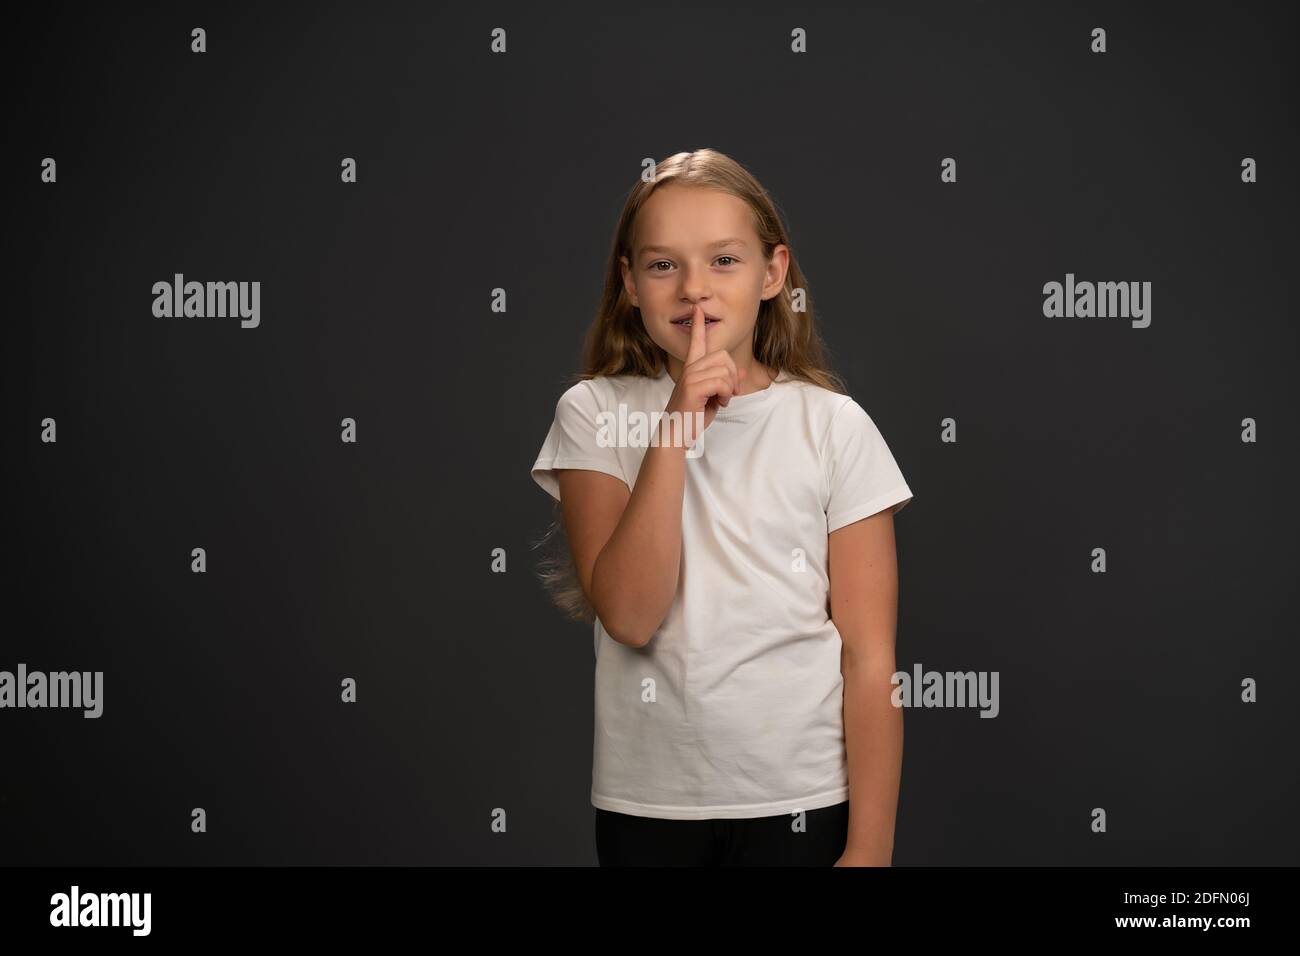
738, 403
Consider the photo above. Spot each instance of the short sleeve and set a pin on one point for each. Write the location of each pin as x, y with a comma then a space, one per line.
863, 476
572, 441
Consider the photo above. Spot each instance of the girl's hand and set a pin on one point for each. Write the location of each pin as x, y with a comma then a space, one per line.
855, 857
708, 380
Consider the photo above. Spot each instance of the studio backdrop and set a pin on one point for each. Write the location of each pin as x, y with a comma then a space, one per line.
296, 289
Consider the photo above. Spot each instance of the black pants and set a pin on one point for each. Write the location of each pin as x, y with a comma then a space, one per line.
626, 840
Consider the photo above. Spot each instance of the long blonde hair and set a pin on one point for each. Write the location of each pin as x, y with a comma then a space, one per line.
618, 344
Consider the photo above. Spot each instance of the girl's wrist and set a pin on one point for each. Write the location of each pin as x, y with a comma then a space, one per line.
863, 856
673, 429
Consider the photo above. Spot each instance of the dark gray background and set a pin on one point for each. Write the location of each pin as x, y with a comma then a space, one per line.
476, 171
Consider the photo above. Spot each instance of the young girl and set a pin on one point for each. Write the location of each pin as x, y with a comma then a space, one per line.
741, 575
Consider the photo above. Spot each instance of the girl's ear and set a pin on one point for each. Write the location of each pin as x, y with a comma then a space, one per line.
628, 287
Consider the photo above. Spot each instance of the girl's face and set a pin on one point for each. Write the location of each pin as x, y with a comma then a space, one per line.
693, 244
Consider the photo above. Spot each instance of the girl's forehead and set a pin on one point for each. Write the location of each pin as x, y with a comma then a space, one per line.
692, 216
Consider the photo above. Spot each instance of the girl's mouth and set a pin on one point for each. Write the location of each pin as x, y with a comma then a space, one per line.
687, 323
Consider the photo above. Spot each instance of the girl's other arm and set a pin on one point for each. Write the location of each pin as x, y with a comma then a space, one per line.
864, 608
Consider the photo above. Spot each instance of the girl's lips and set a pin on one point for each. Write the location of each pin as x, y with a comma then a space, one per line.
685, 324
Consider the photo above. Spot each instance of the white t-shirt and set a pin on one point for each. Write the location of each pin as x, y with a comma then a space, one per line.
744, 717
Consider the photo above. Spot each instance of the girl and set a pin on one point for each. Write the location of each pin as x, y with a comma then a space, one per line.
741, 573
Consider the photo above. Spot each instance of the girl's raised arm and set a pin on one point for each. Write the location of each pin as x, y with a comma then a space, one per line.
627, 546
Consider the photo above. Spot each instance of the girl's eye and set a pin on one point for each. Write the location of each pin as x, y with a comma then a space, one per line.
666, 262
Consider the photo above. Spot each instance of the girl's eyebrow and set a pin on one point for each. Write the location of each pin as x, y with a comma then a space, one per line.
729, 241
